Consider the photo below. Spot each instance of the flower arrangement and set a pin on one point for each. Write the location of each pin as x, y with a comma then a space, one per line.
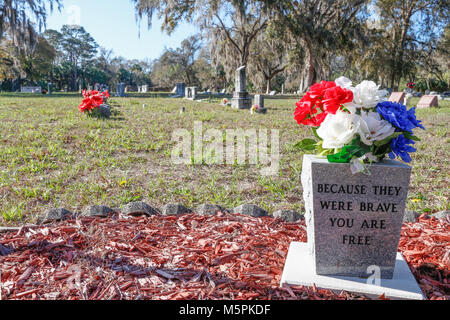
224, 101
411, 85
254, 108
92, 100
356, 124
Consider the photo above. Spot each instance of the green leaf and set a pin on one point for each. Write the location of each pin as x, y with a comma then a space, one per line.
314, 130
355, 149
306, 145
388, 139
411, 137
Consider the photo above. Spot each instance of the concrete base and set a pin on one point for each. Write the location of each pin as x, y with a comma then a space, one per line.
299, 270
238, 103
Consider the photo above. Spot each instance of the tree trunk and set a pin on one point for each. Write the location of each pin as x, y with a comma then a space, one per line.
268, 86
309, 70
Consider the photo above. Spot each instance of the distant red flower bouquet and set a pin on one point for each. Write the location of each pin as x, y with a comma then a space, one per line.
92, 100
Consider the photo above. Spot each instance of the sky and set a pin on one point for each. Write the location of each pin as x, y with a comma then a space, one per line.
113, 25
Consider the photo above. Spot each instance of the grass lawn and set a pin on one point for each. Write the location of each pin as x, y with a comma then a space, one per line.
51, 155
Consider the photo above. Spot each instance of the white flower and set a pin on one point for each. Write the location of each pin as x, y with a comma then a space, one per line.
374, 128
368, 95
339, 129
344, 83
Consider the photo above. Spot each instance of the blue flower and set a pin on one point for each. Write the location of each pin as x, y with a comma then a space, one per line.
401, 147
412, 118
399, 116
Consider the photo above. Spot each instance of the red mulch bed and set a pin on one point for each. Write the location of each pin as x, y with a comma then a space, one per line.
187, 257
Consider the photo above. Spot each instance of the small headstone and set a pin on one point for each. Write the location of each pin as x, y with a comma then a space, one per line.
98, 211
428, 102
288, 215
174, 210
54, 215
50, 88
259, 101
182, 110
139, 209
250, 210
105, 111
207, 209
31, 89
397, 97
273, 93
354, 221
191, 93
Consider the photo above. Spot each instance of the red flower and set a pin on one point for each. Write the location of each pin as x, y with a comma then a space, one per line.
322, 99
92, 99
97, 100
106, 94
335, 97
307, 111
86, 105
318, 89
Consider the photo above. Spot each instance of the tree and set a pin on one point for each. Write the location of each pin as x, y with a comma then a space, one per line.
79, 49
230, 26
411, 26
9, 64
177, 65
208, 76
270, 56
37, 61
320, 28
19, 18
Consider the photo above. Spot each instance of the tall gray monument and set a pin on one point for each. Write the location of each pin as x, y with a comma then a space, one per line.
120, 90
181, 88
241, 99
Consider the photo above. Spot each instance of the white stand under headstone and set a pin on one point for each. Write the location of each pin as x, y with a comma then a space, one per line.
299, 270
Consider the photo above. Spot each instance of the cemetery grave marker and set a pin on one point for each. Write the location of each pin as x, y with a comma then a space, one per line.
353, 223
120, 90
181, 87
428, 102
241, 99
397, 97
191, 93
31, 89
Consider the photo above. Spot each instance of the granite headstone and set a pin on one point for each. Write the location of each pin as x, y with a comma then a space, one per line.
241, 99
428, 102
354, 221
397, 97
